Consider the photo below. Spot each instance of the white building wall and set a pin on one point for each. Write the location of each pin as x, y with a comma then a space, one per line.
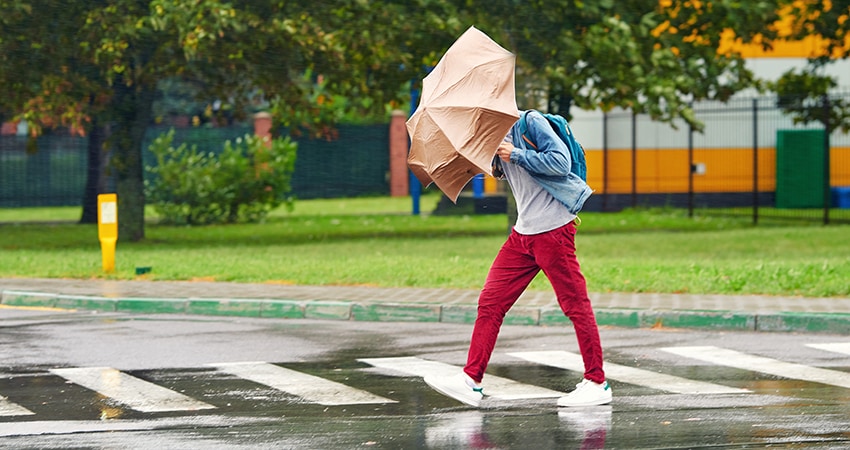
730, 127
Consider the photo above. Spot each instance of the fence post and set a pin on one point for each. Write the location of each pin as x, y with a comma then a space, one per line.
827, 181
634, 159
691, 169
604, 161
263, 127
398, 154
755, 162
263, 130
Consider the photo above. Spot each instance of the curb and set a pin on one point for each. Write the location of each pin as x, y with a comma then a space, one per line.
837, 323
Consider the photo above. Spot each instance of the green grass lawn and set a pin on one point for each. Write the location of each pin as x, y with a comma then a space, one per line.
377, 242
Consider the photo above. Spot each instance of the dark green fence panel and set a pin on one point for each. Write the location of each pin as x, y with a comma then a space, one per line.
51, 175
355, 164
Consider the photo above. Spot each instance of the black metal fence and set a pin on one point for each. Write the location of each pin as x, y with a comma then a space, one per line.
751, 159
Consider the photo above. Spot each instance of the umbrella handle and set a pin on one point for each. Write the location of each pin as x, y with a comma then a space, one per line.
496, 168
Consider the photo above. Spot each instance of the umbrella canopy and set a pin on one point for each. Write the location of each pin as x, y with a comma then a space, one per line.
468, 105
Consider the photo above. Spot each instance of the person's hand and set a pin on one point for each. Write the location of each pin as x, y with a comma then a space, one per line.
504, 151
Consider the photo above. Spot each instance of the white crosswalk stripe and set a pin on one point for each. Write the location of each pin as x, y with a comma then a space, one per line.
129, 390
495, 387
732, 358
631, 375
311, 388
839, 347
8, 409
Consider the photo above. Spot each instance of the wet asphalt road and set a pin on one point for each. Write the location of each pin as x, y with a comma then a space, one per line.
775, 404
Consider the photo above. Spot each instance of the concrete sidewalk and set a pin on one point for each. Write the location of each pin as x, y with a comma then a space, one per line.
719, 312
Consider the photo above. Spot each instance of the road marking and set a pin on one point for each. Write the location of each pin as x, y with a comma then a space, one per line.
631, 375
57, 427
311, 388
81, 427
129, 390
37, 308
841, 347
731, 358
494, 387
8, 409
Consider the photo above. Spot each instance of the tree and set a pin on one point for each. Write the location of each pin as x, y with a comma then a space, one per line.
653, 57
42, 84
85, 63
804, 94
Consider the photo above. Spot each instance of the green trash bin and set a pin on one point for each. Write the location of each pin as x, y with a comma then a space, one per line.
800, 158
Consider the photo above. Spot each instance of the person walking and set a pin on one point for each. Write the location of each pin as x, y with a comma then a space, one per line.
548, 198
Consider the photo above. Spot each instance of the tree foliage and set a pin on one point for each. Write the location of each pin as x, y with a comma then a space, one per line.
806, 97
648, 56
805, 94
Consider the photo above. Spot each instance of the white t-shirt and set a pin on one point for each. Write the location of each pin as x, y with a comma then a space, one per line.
537, 211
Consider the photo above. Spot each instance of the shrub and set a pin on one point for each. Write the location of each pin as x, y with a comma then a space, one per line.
249, 178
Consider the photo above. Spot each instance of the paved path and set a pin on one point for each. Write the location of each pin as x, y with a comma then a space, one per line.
763, 313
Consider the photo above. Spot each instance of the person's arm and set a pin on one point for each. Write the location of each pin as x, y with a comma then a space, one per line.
552, 156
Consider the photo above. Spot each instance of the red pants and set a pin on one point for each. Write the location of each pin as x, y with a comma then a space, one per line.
518, 261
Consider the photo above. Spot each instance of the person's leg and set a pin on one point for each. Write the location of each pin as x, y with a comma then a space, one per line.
511, 272
555, 253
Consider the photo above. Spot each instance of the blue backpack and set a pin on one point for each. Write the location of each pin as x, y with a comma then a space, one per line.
562, 129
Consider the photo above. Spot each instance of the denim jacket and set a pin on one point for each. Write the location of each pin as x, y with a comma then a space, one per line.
550, 163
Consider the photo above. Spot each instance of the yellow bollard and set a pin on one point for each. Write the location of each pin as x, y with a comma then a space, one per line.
107, 228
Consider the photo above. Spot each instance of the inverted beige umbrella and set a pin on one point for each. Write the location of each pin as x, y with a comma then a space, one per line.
467, 107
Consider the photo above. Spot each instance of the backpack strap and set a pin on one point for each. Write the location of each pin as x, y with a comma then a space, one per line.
523, 128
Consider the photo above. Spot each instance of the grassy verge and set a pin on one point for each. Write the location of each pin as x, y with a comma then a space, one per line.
378, 242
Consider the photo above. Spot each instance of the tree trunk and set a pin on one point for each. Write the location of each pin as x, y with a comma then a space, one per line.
132, 111
95, 176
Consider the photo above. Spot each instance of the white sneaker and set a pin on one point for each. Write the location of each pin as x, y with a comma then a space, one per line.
588, 393
459, 387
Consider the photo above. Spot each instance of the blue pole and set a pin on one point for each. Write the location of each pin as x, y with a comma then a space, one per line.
415, 186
